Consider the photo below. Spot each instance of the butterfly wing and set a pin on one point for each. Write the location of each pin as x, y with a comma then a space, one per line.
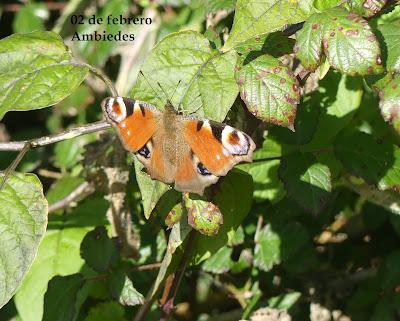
191, 176
218, 147
135, 121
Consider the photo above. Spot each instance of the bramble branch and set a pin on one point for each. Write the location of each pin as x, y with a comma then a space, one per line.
51, 139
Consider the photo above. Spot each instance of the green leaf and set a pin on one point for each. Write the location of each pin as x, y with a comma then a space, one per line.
257, 17
23, 220
202, 78
60, 298
391, 36
305, 125
374, 160
215, 5
68, 152
122, 289
151, 190
58, 254
275, 44
306, 181
366, 8
98, 250
174, 215
322, 5
36, 71
277, 243
346, 40
389, 274
284, 301
106, 311
30, 17
269, 90
233, 209
204, 216
220, 262
390, 103
267, 185
339, 97
62, 187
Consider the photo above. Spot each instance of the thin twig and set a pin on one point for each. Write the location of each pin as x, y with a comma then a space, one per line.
51, 139
145, 308
146, 267
80, 192
168, 307
99, 74
10, 169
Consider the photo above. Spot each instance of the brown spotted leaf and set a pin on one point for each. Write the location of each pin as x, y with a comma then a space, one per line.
366, 8
390, 103
344, 38
269, 90
204, 216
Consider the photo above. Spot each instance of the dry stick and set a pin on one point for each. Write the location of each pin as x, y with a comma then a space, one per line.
24, 146
80, 192
51, 139
168, 307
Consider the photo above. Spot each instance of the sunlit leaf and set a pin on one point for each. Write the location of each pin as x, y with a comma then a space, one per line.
37, 71
344, 38
391, 36
255, 17
23, 220
58, 254
390, 103
278, 242
269, 90
191, 73
306, 181
204, 216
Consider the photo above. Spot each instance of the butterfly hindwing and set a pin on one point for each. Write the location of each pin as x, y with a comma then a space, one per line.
192, 176
219, 147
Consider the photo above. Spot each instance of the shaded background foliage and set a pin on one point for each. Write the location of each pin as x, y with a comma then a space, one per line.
310, 229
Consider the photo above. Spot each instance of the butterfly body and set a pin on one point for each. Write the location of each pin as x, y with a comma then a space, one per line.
178, 149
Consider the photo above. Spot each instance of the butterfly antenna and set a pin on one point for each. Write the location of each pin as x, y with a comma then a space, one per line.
148, 82
176, 88
194, 111
164, 92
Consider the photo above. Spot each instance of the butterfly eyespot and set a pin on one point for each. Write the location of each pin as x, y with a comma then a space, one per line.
202, 170
144, 151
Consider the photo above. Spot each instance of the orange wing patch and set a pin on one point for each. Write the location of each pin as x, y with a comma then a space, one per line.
156, 168
137, 129
207, 148
186, 171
